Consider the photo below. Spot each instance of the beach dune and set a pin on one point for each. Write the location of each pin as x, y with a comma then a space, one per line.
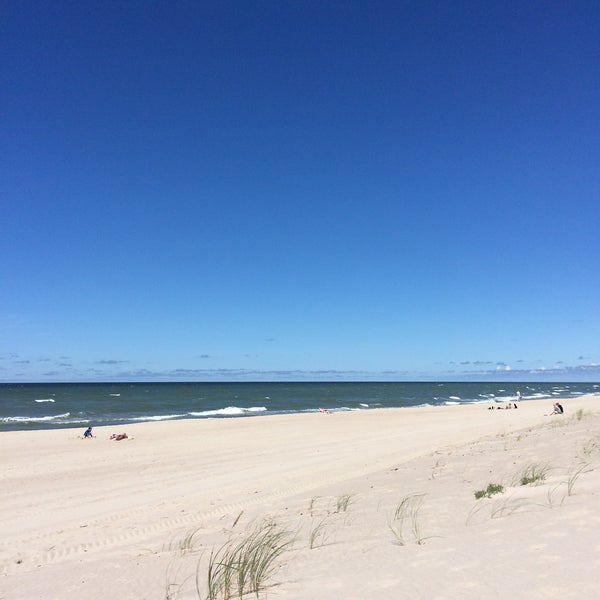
138, 518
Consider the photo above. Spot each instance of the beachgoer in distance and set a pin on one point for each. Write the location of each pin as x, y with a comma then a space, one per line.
557, 409
518, 395
88, 433
118, 436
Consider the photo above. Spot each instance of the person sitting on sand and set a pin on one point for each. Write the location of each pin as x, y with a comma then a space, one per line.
118, 436
88, 433
558, 409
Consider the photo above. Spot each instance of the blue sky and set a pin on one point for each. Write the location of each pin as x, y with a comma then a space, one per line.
300, 190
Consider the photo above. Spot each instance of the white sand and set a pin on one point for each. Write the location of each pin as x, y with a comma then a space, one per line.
103, 519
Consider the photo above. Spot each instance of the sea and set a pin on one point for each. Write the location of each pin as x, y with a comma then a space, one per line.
31, 406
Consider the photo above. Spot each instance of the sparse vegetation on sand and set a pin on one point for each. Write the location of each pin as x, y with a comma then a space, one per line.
246, 562
533, 474
492, 488
343, 502
407, 511
245, 566
318, 534
573, 476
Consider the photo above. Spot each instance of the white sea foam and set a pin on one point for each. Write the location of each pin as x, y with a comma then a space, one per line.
363, 405
229, 411
116, 395
450, 402
158, 418
44, 400
34, 419
454, 397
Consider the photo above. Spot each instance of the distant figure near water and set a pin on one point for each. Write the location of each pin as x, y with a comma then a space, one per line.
518, 395
88, 433
509, 405
118, 436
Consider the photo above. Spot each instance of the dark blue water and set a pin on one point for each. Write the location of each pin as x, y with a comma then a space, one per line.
53, 405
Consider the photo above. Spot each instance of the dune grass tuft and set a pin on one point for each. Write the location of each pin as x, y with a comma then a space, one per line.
535, 474
492, 488
574, 476
407, 511
245, 566
318, 534
343, 502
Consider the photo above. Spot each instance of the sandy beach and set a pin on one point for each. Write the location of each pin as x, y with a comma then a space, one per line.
375, 504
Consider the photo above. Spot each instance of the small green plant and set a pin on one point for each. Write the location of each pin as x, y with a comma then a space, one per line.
533, 474
492, 488
579, 414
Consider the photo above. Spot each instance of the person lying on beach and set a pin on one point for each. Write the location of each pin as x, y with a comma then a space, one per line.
324, 410
118, 436
88, 433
